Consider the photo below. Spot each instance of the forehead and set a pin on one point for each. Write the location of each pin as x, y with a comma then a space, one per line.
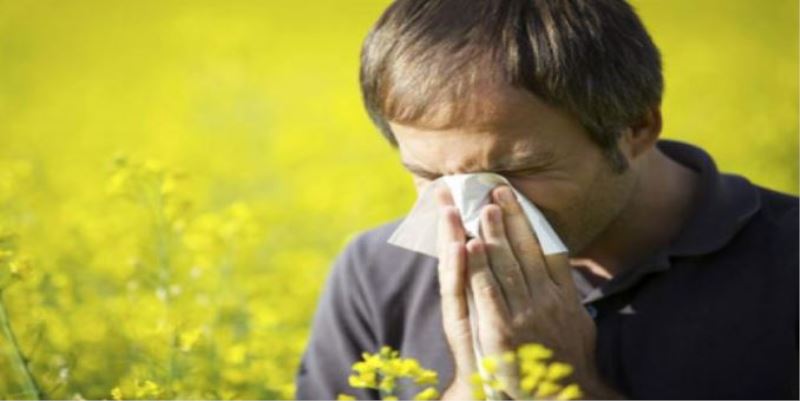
487, 104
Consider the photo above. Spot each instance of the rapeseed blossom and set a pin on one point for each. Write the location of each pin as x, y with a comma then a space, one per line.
538, 378
382, 370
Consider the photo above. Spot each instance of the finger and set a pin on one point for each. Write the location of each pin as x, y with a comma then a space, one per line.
506, 268
522, 237
449, 227
449, 241
452, 279
490, 305
559, 267
455, 312
443, 196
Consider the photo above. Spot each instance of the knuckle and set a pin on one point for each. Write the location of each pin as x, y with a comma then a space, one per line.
550, 305
519, 243
520, 320
502, 338
489, 292
509, 281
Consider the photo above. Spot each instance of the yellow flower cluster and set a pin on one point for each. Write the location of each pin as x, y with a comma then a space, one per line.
183, 295
14, 266
382, 370
143, 390
151, 185
538, 379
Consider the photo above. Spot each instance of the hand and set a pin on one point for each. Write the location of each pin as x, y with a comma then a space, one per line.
520, 294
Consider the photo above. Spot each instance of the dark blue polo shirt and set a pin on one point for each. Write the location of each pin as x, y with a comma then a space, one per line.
713, 315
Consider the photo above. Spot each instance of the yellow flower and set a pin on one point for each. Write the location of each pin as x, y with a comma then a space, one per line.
362, 367
387, 384
557, 371
489, 365
546, 389
188, 339
495, 384
362, 381
533, 369
534, 352
409, 367
381, 370
116, 394
527, 384
478, 392
373, 361
168, 185
345, 397
147, 389
20, 267
118, 183
236, 354
509, 357
477, 386
5, 254
429, 393
153, 167
571, 392
427, 377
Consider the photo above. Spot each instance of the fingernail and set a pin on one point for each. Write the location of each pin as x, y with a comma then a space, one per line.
474, 246
505, 196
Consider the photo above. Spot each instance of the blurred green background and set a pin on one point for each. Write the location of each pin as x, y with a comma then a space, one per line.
176, 177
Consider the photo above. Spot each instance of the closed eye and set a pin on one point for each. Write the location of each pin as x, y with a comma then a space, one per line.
429, 177
522, 172
425, 175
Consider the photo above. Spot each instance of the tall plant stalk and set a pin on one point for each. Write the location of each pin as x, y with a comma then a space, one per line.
29, 383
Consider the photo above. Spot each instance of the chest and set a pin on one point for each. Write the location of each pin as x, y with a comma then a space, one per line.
670, 339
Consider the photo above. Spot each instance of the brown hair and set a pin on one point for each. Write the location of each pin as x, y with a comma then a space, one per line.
593, 58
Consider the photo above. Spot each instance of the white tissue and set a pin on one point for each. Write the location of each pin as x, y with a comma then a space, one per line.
418, 231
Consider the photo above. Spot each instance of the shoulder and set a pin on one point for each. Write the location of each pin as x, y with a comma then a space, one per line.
769, 242
778, 208
380, 264
777, 220
370, 242
391, 283
366, 248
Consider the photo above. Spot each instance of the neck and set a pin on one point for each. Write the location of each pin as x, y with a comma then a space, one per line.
660, 203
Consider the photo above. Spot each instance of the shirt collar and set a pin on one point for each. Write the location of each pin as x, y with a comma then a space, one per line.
722, 205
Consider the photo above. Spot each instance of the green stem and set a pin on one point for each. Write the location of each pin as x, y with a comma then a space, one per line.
16, 353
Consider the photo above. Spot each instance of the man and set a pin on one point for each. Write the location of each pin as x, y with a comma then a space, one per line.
681, 282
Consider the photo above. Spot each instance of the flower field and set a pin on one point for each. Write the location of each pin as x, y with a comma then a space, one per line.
176, 178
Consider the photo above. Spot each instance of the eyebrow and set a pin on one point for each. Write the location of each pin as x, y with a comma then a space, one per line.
528, 161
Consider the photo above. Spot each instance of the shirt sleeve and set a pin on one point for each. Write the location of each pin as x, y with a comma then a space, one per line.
341, 331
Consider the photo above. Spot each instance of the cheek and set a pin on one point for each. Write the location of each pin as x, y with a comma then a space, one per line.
569, 205
548, 194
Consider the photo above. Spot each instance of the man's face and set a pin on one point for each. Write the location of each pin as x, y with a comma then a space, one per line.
545, 153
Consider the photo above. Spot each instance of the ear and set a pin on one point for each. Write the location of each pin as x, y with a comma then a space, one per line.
642, 135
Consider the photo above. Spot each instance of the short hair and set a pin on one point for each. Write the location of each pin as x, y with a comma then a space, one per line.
592, 58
